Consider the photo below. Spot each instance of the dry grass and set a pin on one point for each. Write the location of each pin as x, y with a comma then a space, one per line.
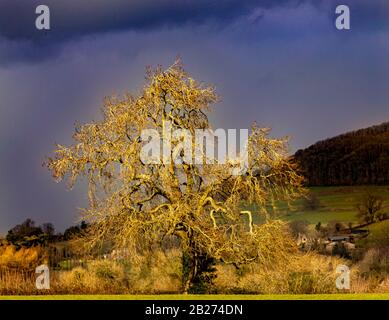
17, 281
24, 258
17, 269
305, 274
161, 273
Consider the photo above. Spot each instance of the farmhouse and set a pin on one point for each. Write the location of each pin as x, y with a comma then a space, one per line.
340, 238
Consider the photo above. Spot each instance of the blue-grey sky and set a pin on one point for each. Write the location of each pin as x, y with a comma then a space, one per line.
280, 63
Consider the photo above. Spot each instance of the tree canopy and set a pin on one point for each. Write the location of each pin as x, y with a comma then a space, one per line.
134, 204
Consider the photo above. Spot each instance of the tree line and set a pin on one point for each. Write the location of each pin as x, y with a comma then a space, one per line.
356, 158
28, 234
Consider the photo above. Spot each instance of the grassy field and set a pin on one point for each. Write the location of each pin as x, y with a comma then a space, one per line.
384, 296
335, 203
378, 233
377, 227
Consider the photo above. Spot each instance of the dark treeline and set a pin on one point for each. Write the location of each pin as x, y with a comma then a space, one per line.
355, 158
28, 234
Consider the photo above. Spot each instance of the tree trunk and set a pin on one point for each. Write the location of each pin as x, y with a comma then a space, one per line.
192, 271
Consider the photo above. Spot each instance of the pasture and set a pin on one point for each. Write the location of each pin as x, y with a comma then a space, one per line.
334, 203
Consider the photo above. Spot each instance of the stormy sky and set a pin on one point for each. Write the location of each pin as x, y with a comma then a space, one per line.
280, 63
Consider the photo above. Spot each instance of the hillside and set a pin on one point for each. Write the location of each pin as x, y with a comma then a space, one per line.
354, 158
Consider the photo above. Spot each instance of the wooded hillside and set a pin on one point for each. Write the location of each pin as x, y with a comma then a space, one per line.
354, 158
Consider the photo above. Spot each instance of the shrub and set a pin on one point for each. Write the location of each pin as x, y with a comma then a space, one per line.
306, 273
159, 272
24, 258
311, 202
375, 262
99, 276
298, 227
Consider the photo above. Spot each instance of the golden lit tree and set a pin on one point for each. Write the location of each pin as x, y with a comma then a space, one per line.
134, 204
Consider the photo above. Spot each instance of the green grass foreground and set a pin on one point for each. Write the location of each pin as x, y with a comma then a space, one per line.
368, 296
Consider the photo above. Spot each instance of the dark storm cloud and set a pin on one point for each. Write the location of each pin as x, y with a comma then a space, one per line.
281, 63
365, 14
20, 41
74, 17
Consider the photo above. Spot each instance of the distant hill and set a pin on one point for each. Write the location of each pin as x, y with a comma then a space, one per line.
354, 158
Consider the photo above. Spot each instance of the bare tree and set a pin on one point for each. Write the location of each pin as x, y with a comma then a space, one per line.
136, 205
369, 206
48, 229
311, 201
298, 227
